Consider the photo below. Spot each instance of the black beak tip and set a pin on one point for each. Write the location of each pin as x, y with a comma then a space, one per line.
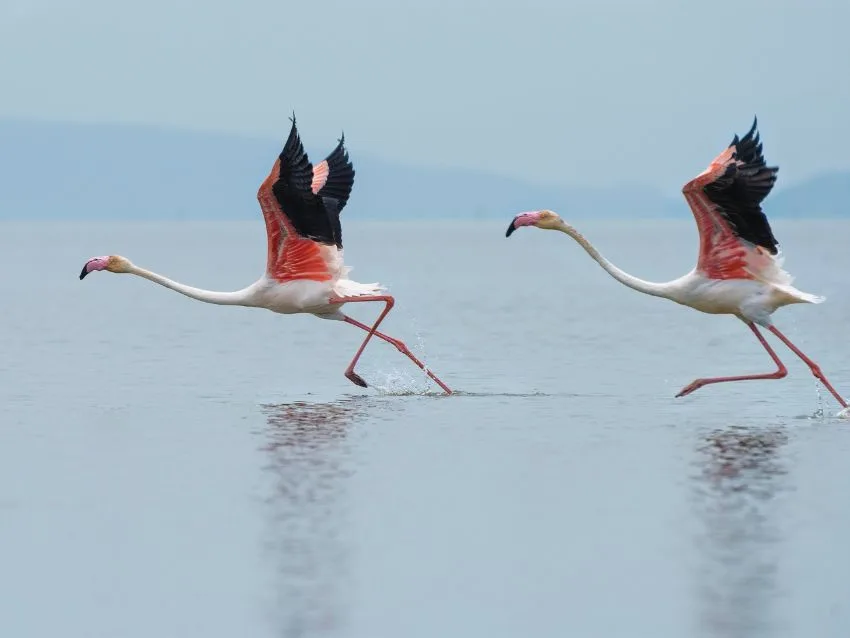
511, 229
84, 272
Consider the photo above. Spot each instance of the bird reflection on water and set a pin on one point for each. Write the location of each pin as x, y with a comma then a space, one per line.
741, 474
309, 459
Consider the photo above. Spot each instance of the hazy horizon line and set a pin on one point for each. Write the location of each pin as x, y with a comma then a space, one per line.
668, 193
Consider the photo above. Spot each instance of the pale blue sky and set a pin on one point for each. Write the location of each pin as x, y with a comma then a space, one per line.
564, 92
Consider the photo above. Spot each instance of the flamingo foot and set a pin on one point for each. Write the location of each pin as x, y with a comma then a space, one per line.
691, 387
355, 378
844, 414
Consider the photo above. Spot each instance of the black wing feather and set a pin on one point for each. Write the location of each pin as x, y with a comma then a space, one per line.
332, 210
340, 179
739, 192
313, 216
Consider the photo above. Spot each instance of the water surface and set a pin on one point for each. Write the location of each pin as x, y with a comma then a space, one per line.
169, 468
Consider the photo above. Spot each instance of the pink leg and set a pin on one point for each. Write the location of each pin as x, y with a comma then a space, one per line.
389, 301
780, 372
398, 344
815, 368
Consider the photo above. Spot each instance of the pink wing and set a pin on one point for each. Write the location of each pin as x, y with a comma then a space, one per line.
736, 241
333, 177
304, 234
290, 256
320, 176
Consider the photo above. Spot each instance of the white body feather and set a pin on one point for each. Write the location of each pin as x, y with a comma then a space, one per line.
291, 297
748, 299
304, 295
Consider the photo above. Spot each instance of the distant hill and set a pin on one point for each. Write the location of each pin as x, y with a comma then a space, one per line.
825, 195
104, 171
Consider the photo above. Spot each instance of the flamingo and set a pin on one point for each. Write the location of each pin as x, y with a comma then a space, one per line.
301, 205
739, 268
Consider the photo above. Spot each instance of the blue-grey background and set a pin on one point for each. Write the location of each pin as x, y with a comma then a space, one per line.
171, 468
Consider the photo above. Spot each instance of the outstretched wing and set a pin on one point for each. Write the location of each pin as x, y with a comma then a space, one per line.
303, 228
334, 176
736, 240
310, 214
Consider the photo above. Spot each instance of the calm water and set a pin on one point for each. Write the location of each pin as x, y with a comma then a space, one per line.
173, 469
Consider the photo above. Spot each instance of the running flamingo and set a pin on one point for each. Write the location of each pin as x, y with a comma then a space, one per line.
739, 270
301, 205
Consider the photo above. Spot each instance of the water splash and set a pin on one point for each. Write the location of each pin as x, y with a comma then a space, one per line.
822, 413
397, 382
819, 413
419, 347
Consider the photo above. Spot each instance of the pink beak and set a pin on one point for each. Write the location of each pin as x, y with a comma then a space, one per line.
523, 219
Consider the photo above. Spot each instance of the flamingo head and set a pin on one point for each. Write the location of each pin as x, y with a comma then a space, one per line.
112, 263
545, 219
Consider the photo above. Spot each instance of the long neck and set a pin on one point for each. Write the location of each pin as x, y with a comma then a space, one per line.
237, 298
648, 287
